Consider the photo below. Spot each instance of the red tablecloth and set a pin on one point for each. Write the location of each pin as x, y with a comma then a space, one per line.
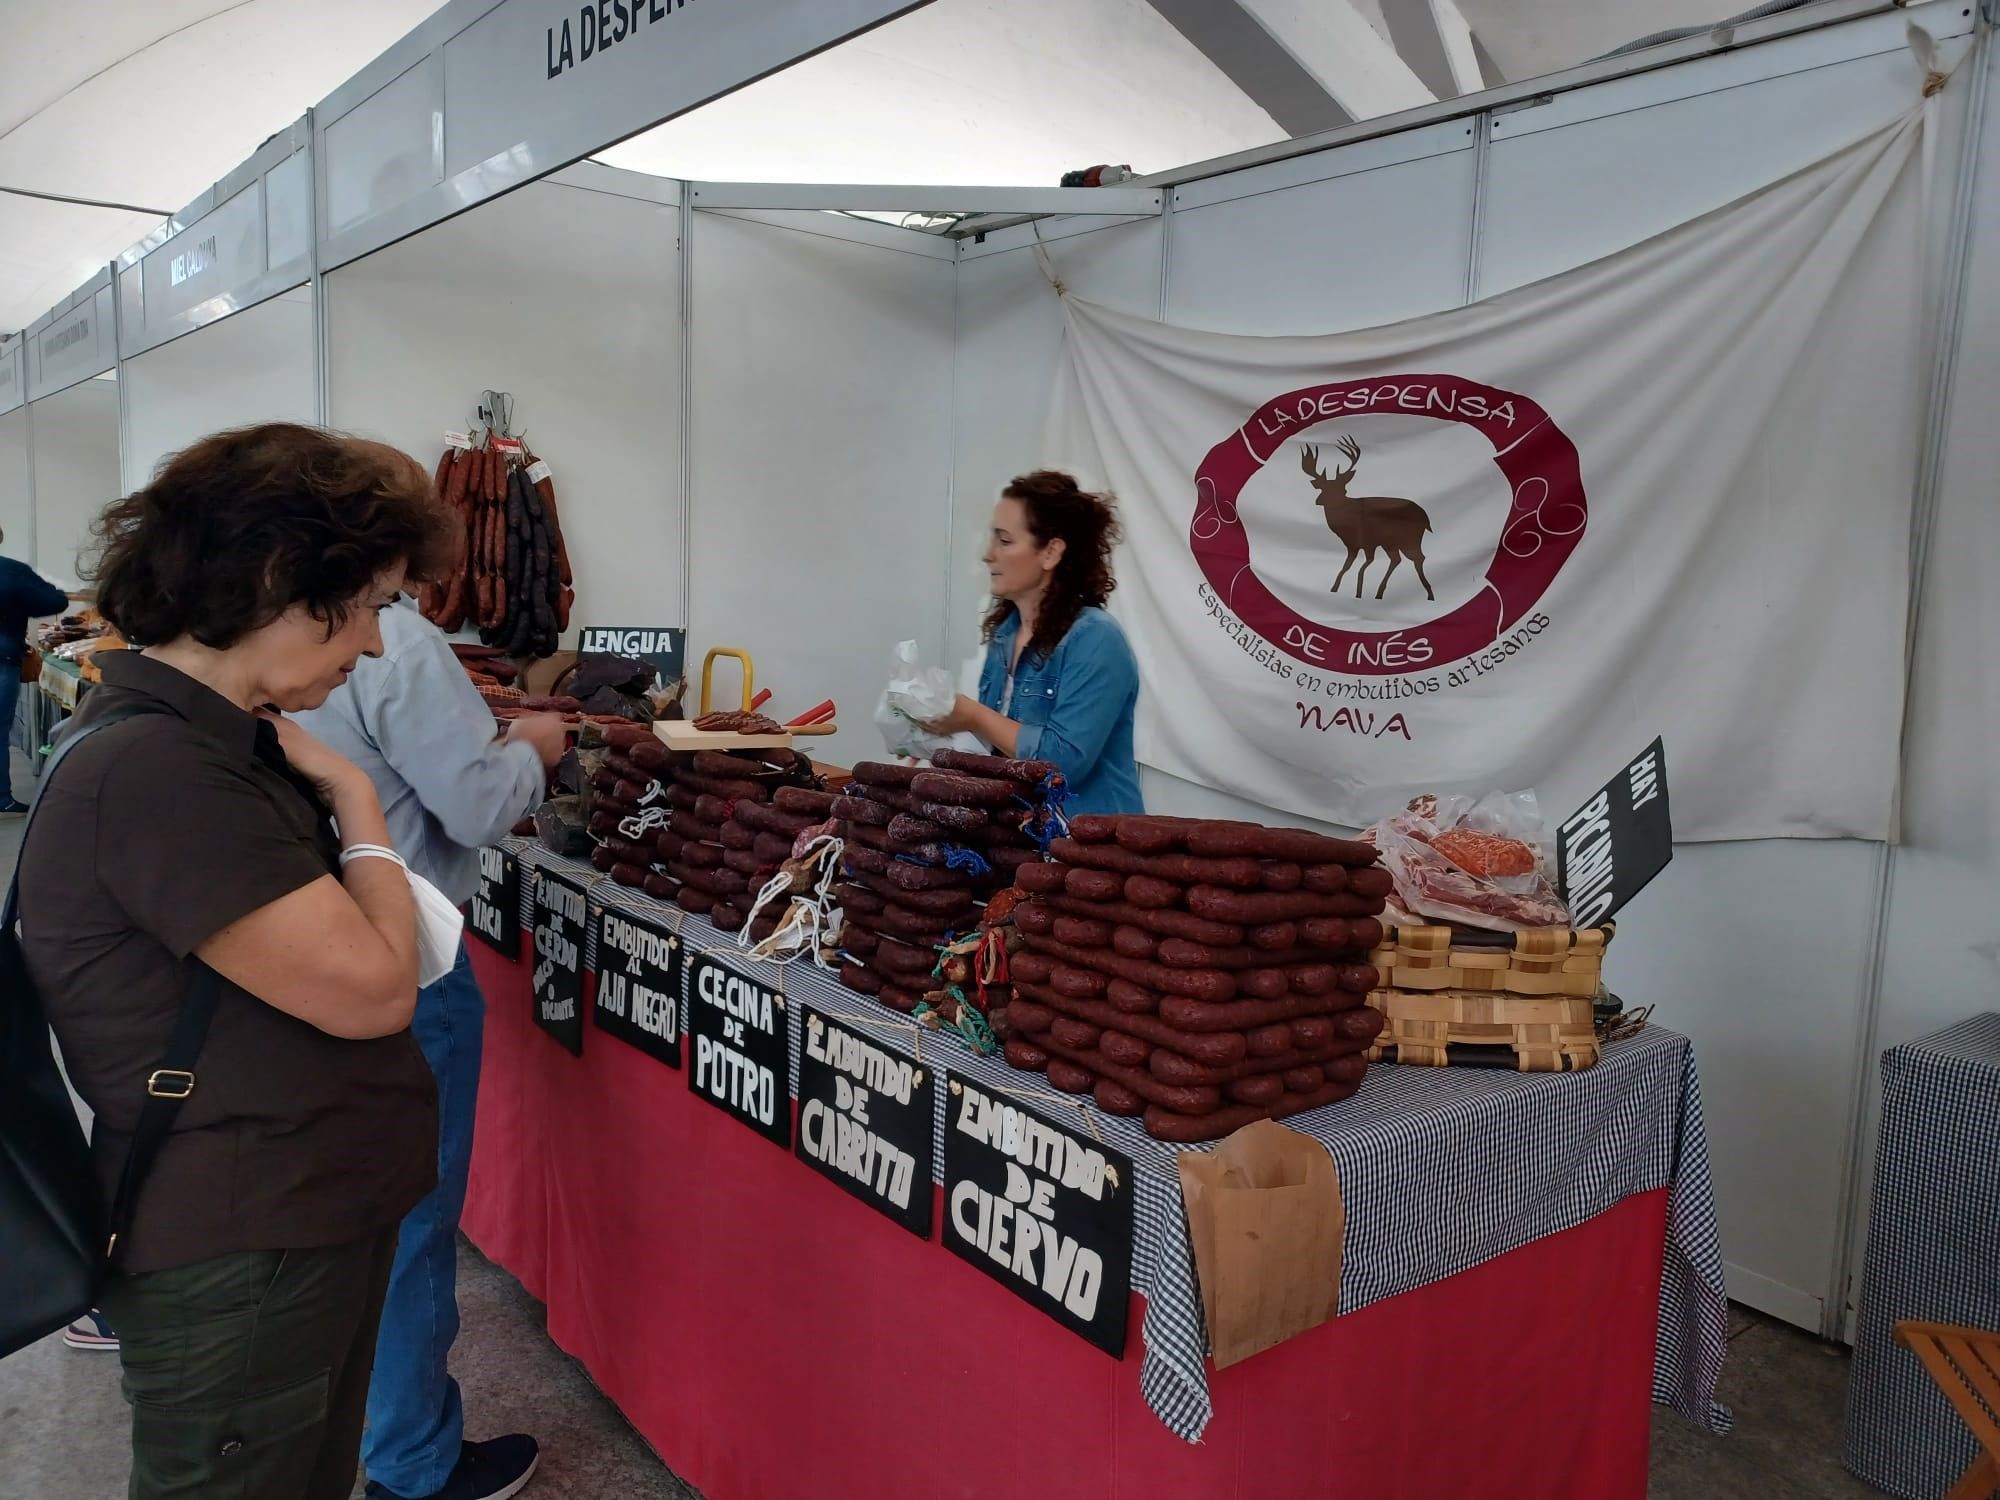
774, 1339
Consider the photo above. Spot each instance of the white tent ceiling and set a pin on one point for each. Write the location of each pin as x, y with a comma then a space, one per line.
147, 102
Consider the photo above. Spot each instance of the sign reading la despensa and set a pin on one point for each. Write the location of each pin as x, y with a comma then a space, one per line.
597, 28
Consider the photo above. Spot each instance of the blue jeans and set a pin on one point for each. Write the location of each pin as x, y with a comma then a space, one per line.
415, 1420
10, 698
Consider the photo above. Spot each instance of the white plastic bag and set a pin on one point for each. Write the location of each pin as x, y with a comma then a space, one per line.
1432, 886
918, 695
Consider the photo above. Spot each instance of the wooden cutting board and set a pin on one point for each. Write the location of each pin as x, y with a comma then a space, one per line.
680, 734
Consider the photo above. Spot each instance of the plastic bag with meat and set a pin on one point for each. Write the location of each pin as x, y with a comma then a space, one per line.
1472, 864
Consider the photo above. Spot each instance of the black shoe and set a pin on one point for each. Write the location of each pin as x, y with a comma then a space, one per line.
491, 1470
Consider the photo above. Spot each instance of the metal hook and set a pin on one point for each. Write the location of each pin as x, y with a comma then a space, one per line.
499, 409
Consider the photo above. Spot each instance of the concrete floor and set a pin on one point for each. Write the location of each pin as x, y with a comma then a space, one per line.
63, 1425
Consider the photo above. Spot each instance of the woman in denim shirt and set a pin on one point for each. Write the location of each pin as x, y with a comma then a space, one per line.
1060, 683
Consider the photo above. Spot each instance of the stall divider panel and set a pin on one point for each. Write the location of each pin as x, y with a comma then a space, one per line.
821, 460
568, 298
17, 485
257, 365
74, 438
1939, 933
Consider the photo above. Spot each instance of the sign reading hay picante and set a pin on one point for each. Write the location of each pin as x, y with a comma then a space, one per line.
494, 913
736, 1032
1612, 846
562, 917
1045, 1212
865, 1118
639, 985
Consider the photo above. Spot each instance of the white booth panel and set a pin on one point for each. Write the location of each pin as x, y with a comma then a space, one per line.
1942, 957
1759, 952
76, 472
258, 365
821, 458
1353, 250
1009, 338
569, 299
1603, 168
17, 503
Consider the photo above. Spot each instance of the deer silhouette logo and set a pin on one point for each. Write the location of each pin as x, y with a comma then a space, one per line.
1368, 524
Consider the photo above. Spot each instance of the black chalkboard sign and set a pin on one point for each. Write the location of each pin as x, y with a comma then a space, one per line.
1611, 847
1041, 1208
494, 913
562, 917
738, 1057
639, 985
866, 1118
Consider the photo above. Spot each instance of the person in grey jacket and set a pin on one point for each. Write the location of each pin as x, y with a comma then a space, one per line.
412, 720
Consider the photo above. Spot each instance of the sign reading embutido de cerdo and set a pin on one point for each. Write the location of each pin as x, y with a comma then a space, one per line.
562, 917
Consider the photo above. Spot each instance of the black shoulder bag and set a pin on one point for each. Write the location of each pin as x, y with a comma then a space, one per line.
55, 1243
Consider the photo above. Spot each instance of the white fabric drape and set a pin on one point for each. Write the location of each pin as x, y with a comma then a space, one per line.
1668, 492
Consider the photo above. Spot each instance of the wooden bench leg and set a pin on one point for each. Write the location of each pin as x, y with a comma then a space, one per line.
1979, 1482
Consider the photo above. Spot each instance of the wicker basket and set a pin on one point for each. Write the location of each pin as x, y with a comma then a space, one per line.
1533, 997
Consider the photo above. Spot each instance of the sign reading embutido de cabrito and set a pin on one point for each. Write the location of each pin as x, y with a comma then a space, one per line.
866, 1115
494, 912
562, 917
638, 996
740, 1060
1043, 1211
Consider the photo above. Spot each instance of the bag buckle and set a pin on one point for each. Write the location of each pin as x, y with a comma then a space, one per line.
170, 1083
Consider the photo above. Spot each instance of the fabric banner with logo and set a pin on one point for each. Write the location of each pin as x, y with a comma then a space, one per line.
1667, 493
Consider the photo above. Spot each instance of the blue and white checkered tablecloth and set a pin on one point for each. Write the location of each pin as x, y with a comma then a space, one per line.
1933, 1253
1508, 1158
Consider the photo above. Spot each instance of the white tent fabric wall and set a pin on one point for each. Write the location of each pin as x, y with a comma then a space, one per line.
1742, 394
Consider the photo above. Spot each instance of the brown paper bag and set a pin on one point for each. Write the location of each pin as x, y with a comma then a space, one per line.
1265, 1215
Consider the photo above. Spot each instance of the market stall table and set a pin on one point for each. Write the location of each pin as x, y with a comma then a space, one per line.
1529, 1259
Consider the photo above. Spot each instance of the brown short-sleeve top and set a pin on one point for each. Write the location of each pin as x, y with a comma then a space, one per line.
153, 836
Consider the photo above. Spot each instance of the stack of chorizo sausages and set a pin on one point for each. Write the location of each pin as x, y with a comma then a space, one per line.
1199, 974
733, 819
925, 849
514, 583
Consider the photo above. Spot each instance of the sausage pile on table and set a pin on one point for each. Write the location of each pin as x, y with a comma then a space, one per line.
705, 830
1199, 974
514, 583
926, 849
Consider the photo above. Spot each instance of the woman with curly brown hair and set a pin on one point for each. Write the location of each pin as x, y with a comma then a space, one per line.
1059, 683
226, 948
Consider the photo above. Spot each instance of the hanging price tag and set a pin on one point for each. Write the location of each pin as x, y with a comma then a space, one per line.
537, 471
458, 440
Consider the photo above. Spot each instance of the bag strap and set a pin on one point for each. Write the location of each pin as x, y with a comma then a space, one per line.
167, 1088
170, 1084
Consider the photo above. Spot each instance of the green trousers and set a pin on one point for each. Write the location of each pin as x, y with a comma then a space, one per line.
248, 1374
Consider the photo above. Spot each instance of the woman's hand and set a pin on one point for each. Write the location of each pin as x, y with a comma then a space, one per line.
331, 773
965, 717
970, 716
